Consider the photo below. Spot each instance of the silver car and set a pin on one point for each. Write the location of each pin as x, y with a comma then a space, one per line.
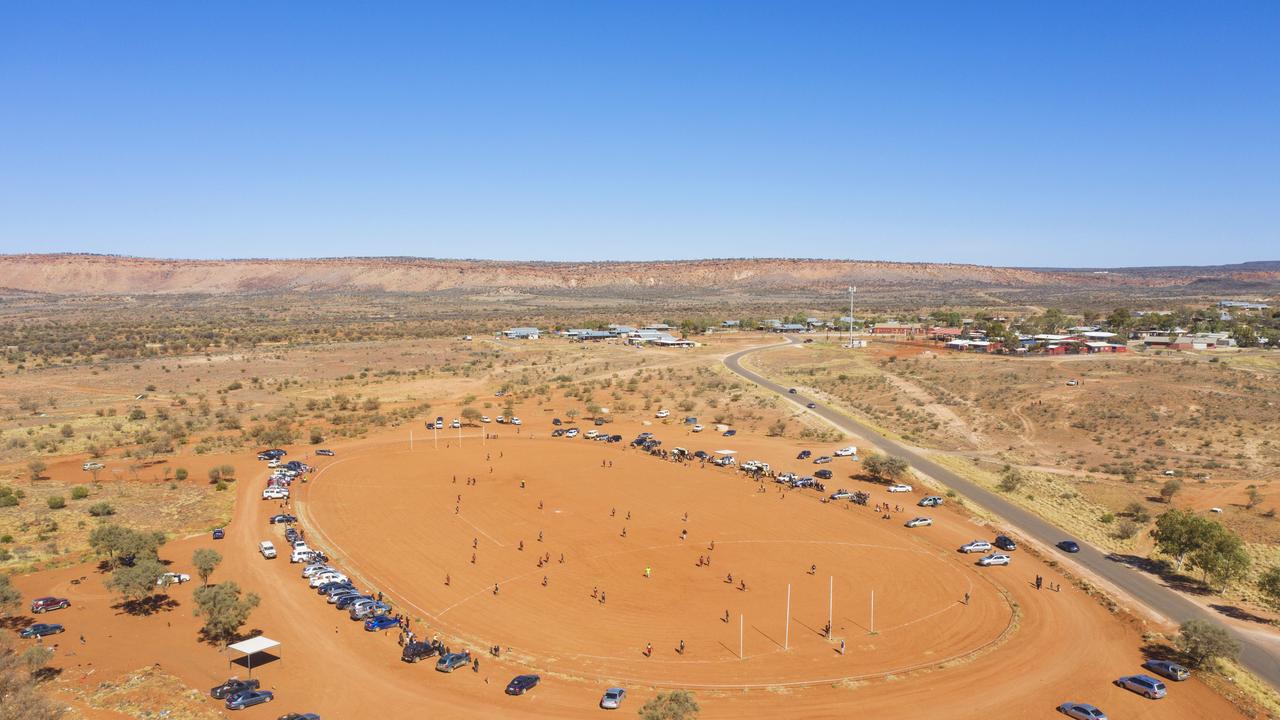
1081, 711
613, 698
1144, 685
919, 522
976, 546
994, 559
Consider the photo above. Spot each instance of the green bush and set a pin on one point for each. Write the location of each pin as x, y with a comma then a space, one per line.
56, 502
79, 492
101, 509
220, 486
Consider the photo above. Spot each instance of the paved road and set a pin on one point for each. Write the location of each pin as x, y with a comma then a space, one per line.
1261, 655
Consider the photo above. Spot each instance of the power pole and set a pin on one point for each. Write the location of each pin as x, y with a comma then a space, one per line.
786, 642
852, 290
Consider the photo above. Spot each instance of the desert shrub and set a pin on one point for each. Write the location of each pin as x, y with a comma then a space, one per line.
1205, 642
180, 473
79, 492
101, 509
56, 502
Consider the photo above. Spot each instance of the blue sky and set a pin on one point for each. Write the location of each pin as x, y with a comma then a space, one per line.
1020, 133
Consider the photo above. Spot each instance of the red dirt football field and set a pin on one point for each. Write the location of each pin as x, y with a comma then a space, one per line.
391, 518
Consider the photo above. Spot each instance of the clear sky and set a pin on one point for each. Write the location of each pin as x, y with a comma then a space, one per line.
1018, 133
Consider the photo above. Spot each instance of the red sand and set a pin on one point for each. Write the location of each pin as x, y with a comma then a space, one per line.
388, 515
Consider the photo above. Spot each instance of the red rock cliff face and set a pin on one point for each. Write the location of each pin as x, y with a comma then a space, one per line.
111, 275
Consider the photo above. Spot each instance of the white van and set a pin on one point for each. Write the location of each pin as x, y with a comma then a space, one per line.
846, 451
267, 549
301, 554
275, 492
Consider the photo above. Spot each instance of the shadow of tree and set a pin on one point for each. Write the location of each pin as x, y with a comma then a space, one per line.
143, 607
1239, 613
1162, 570
46, 674
15, 622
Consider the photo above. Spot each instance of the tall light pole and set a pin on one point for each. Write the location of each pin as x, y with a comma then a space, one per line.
852, 290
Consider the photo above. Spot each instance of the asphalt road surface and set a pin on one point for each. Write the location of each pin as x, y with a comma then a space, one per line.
1261, 655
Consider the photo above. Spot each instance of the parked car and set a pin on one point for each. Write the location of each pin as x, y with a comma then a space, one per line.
930, 501
823, 474
172, 578
219, 533
233, 686
299, 716
792, 391
40, 630
417, 651
1144, 685
555, 421
698, 428
1070, 546
804, 455
455, 424
327, 577
275, 492
702, 455
1167, 669
1004, 542
92, 465
730, 433
267, 548
45, 604
822, 460
900, 487
846, 451
281, 518
325, 453
380, 622
453, 661
516, 421
662, 414
613, 698
521, 684
315, 569
362, 610
841, 494
571, 432
919, 522
485, 419
343, 600
557, 432
994, 559
249, 698
1081, 711
591, 434
976, 546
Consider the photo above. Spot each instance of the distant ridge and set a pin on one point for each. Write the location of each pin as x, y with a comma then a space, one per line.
88, 275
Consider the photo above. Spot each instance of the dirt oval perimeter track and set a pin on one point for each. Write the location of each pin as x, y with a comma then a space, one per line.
391, 517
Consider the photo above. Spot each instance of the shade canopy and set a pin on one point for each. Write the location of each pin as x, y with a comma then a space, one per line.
254, 645
726, 452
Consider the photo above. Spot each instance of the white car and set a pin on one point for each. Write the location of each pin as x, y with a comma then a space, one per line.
516, 421
501, 420
590, 434
172, 578
275, 493
327, 577
976, 546
314, 569
92, 466
662, 414
571, 432
484, 419
994, 559
274, 463
846, 452
698, 428
919, 522
900, 487
267, 549
455, 424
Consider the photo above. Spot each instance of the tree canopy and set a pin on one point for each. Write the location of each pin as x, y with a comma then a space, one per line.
223, 610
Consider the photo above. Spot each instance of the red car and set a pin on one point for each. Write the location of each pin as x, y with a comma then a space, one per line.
45, 604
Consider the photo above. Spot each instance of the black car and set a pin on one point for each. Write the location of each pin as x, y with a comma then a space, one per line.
557, 432
599, 421
282, 518
40, 630
812, 405
326, 453
823, 474
804, 455
233, 686
417, 651
702, 455
555, 421
521, 684
615, 438
1070, 546
345, 602
1004, 542
792, 391
219, 533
